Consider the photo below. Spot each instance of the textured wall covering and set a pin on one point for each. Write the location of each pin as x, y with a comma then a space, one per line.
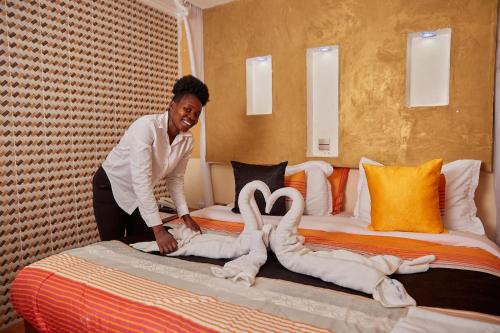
374, 119
73, 76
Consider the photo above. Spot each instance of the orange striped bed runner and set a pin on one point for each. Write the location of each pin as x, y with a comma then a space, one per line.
447, 256
65, 293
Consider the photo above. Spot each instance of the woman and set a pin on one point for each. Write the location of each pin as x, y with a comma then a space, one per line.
154, 147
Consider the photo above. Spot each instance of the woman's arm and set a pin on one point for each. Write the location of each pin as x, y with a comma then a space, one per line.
175, 183
141, 171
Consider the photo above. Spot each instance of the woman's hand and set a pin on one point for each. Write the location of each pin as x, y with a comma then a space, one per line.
166, 242
190, 223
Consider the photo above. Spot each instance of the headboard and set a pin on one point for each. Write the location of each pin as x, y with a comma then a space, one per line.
223, 189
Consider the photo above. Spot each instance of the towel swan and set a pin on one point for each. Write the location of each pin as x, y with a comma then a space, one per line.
245, 268
344, 268
249, 248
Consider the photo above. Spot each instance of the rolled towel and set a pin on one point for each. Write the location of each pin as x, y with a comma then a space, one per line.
417, 265
244, 269
391, 294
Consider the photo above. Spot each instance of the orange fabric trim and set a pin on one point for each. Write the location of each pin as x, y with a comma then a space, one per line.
36, 293
297, 181
338, 182
442, 194
373, 245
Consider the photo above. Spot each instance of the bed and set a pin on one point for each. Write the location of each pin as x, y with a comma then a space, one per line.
111, 287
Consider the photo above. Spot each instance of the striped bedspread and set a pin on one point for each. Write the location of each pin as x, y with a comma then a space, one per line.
447, 256
75, 295
110, 287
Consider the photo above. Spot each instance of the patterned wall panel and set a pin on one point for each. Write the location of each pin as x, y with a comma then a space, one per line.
27, 106
73, 76
59, 131
10, 245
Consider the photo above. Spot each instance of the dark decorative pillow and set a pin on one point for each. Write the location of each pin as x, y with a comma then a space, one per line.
272, 175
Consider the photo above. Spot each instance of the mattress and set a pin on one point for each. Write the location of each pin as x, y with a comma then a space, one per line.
109, 286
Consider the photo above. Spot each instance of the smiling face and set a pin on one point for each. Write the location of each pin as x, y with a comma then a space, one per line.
183, 114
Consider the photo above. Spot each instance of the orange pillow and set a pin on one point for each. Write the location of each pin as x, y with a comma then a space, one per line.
442, 194
298, 181
338, 181
405, 198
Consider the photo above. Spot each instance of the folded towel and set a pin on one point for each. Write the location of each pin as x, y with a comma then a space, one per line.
250, 247
245, 268
345, 268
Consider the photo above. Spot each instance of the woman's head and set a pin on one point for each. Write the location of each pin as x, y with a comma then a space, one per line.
190, 85
190, 95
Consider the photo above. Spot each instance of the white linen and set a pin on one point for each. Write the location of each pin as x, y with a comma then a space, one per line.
318, 189
325, 167
419, 320
362, 209
245, 268
344, 268
462, 178
191, 243
141, 159
249, 248
345, 222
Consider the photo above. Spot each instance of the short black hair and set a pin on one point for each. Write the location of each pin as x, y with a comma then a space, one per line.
190, 85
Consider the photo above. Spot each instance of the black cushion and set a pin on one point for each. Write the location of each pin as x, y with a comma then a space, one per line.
272, 175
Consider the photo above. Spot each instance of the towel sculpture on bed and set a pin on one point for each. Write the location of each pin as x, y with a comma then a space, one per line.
249, 248
344, 268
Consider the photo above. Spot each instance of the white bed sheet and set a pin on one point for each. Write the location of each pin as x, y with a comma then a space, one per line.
345, 222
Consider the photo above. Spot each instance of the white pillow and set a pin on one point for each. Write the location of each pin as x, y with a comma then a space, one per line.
462, 177
327, 168
318, 200
363, 203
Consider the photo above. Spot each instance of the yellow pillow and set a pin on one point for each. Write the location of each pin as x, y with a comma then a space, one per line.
405, 198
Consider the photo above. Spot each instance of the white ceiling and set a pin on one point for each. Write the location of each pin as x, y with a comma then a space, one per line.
203, 4
171, 7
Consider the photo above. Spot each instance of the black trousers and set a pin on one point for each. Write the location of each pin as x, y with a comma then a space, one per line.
113, 222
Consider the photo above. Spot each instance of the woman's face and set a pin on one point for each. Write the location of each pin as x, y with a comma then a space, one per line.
184, 114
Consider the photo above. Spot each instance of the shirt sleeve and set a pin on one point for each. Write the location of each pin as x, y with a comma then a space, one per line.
141, 171
175, 182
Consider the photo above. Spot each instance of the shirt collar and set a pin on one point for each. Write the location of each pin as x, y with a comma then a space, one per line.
163, 123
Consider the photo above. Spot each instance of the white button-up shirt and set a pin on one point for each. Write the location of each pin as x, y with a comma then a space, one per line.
141, 159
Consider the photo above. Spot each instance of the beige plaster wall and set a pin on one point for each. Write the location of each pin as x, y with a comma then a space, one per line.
374, 120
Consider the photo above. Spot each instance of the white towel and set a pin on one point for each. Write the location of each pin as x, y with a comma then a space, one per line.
245, 268
341, 267
250, 247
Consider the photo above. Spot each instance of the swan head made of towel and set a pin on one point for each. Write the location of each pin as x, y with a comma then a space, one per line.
248, 206
294, 214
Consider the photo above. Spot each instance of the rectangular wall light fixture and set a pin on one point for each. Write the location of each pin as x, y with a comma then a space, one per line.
323, 101
259, 71
428, 68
